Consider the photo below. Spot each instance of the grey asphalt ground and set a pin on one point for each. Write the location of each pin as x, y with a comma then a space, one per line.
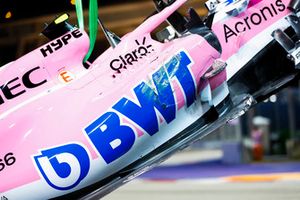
194, 190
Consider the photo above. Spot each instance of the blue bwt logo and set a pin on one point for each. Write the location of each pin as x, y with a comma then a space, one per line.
64, 167
113, 139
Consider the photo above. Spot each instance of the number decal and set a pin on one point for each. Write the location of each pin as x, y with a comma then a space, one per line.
7, 161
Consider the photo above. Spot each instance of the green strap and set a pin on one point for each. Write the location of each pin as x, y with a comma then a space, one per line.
93, 23
79, 13
93, 26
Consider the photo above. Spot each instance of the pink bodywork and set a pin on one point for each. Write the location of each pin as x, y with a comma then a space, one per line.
57, 111
248, 30
71, 97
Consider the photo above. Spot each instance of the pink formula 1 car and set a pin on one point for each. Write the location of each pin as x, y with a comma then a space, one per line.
70, 131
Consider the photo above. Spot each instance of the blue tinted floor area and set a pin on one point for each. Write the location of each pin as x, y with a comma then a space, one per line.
215, 169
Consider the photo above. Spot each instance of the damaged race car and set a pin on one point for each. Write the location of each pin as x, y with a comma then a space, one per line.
77, 129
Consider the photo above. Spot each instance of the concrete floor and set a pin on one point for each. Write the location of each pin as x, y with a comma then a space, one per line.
193, 190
